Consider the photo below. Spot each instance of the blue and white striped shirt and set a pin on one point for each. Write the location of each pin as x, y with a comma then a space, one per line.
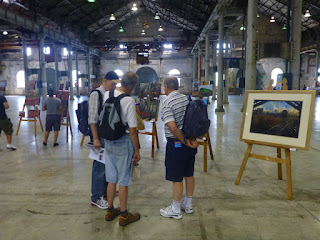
173, 109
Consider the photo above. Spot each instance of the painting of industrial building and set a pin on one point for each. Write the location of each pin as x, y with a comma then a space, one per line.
280, 118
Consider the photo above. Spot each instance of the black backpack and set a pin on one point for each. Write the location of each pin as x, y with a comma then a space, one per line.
83, 115
196, 122
110, 125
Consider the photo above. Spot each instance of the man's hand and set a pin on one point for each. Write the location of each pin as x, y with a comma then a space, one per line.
96, 143
136, 157
192, 143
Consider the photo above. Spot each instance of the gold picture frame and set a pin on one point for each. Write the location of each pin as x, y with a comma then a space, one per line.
278, 118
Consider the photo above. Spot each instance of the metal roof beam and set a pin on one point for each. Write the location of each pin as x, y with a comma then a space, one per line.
121, 15
233, 12
213, 17
170, 16
33, 26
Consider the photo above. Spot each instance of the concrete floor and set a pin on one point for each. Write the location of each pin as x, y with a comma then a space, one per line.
45, 191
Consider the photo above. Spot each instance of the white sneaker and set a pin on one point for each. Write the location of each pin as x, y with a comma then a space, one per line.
100, 203
169, 213
11, 147
185, 208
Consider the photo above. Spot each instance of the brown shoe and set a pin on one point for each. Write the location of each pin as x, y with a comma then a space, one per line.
111, 214
123, 221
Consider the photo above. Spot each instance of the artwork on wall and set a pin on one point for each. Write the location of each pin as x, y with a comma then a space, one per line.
278, 118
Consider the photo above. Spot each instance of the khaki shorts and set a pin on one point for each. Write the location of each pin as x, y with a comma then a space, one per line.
6, 126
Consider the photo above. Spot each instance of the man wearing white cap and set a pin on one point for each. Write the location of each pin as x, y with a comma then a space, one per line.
99, 184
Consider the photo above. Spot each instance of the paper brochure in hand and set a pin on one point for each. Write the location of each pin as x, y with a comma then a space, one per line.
97, 154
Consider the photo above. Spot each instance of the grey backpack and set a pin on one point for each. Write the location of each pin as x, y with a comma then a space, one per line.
110, 125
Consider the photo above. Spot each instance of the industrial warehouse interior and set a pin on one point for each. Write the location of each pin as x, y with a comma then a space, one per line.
237, 56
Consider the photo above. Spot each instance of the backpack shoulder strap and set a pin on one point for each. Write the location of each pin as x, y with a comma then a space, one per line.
111, 93
122, 96
118, 102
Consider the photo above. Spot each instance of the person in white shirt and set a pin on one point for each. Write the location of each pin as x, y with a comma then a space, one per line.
122, 153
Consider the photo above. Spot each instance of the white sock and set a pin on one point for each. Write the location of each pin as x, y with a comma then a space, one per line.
176, 206
187, 201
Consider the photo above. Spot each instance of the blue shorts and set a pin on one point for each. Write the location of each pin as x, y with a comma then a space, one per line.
53, 121
118, 160
179, 162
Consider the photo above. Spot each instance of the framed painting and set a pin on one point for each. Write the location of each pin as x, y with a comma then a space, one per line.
148, 108
278, 118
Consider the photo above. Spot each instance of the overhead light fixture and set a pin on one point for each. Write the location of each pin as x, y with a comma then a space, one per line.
92, 1
121, 29
258, 15
5, 33
272, 19
307, 14
160, 29
157, 17
112, 17
284, 27
242, 28
134, 7
146, 24
143, 32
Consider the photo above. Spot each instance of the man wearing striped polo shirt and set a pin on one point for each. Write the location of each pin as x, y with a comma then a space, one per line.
180, 152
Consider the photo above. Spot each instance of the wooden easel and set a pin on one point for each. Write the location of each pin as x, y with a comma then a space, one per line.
270, 87
284, 84
154, 134
68, 124
82, 140
30, 119
205, 141
278, 159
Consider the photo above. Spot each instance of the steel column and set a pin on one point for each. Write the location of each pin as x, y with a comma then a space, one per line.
43, 67
25, 65
69, 48
77, 74
251, 68
317, 63
56, 63
220, 66
214, 63
199, 64
226, 79
207, 60
88, 69
195, 68
296, 43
